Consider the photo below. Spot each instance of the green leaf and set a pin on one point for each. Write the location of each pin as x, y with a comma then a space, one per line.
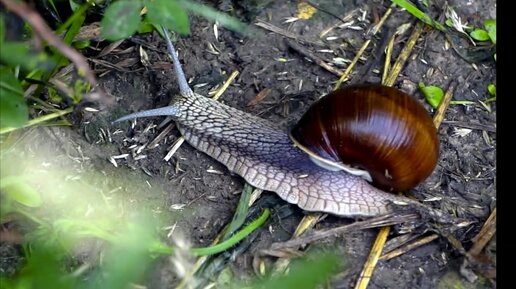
21, 192
2, 28
81, 44
492, 89
412, 9
479, 34
170, 14
306, 273
13, 109
433, 94
214, 15
145, 27
490, 26
462, 102
121, 19
18, 53
74, 6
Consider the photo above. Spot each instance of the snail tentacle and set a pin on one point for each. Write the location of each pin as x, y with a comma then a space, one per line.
172, 111
180, 74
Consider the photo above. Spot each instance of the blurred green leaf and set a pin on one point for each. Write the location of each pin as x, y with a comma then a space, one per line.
145, 27
492, 89
462, 102
44, 269
306, 273
121, 19
170, 14
74, 6
16, 188
129, 257
214, 15
2, 28
54, 8
412, 9
18, 53
13, 109
479, 34
490, 26
433, 94
81, 44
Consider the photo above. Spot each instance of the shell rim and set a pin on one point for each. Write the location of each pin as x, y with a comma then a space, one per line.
330, 164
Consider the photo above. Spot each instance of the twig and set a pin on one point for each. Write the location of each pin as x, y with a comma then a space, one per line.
388, 55
470, 125
41, 28
161, 135
343, 19
445, 103
386, 220
225, 86
402, 250
404, 54
372, 260
486, 233
268, 26
438, 117
375, 30
307, 223
305, 52
389, 77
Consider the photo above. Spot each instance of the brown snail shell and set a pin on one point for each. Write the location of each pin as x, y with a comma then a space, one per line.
377, 128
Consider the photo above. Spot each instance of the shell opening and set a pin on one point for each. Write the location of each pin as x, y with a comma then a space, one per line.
332, 165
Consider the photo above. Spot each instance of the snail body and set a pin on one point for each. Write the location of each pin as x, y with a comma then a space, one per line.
264, 155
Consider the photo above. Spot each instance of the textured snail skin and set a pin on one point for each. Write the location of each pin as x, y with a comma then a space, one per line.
377, 128
263, 154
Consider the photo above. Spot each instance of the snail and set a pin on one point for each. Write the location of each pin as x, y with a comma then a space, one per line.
268, 157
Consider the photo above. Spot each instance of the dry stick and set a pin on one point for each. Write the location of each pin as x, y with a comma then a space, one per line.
402, 250
484, 236
305, 52
375, 30
372, 260
470, 125
41, 28
381, 238
281, 265
268, 26
347, 17
438, 118
445, 103
381, 221
175, 146
310, 220
404, 54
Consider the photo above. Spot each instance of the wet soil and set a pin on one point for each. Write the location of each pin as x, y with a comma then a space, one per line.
206, 194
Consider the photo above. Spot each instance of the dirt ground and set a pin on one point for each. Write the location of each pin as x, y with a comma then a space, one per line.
207, 194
